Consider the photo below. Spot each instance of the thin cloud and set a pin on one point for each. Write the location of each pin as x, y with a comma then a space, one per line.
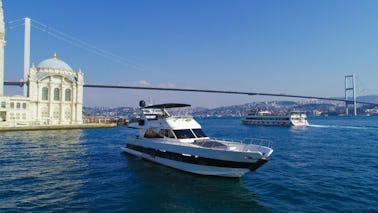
145, 83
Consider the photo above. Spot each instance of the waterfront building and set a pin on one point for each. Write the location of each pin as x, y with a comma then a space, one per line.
54, 97
54, 93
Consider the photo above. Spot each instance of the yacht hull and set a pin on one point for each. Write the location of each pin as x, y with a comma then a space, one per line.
201, 161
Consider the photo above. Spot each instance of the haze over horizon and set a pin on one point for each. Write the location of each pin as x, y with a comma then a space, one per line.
291, 47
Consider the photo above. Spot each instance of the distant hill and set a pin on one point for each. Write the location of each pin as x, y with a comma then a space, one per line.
311, 107
365, 98
368, 98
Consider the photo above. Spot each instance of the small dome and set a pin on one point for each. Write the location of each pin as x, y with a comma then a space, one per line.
54, 63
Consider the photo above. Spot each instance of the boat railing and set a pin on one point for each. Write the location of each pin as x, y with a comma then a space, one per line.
259, 142
246, 142
242, 144
186, 117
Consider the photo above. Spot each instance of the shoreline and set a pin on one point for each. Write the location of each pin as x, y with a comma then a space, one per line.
57, 127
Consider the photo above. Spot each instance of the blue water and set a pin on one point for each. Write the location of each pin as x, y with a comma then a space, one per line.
330, 166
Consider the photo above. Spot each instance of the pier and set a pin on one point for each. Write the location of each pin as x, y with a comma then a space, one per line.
58, 127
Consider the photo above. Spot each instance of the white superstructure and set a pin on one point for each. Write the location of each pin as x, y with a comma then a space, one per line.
179, 142
265, 118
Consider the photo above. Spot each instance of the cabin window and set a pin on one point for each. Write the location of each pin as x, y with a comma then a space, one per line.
56, 94
167, 133
67, 95
183, 133
199, 133
152, 134
45, 93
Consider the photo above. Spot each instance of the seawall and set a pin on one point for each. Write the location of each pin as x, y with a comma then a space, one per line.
58, 127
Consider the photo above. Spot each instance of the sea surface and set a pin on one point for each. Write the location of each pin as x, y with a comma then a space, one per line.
330, 166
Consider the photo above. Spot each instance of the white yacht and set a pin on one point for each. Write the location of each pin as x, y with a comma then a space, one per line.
266, 118
179, 142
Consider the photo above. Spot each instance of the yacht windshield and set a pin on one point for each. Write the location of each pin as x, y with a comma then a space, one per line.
199, 133
167, 133
183, 133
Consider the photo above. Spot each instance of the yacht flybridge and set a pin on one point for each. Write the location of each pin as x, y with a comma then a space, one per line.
179, 142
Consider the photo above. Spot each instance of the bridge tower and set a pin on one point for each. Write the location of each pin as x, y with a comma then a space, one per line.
350, 94
2, 45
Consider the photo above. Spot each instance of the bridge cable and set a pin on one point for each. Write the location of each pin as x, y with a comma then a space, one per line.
85, 45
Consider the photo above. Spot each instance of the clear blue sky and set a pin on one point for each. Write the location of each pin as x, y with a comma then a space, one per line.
293, 47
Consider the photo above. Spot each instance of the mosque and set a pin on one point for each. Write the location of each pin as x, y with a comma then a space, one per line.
54, 93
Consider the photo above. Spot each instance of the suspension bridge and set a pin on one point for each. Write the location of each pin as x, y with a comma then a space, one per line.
86, 46
22, 83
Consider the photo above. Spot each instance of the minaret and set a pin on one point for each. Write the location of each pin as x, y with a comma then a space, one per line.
2, 45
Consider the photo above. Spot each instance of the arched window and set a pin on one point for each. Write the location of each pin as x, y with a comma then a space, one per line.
56, 94
67, 95
45, 93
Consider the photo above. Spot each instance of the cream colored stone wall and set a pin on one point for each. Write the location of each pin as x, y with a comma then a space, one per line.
62, 107
14, 111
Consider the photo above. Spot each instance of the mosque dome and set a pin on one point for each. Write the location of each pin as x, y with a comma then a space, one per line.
54, 63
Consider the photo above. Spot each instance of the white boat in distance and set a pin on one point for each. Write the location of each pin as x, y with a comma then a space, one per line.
179, 142
265, 118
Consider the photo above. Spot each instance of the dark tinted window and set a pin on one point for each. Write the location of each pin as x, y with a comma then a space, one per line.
152, 134
183, 133
167, 133
199, 133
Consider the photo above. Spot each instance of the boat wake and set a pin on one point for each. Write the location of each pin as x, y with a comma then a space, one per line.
344, 127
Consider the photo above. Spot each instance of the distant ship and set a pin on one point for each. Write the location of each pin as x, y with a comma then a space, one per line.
179, 142
266, 118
